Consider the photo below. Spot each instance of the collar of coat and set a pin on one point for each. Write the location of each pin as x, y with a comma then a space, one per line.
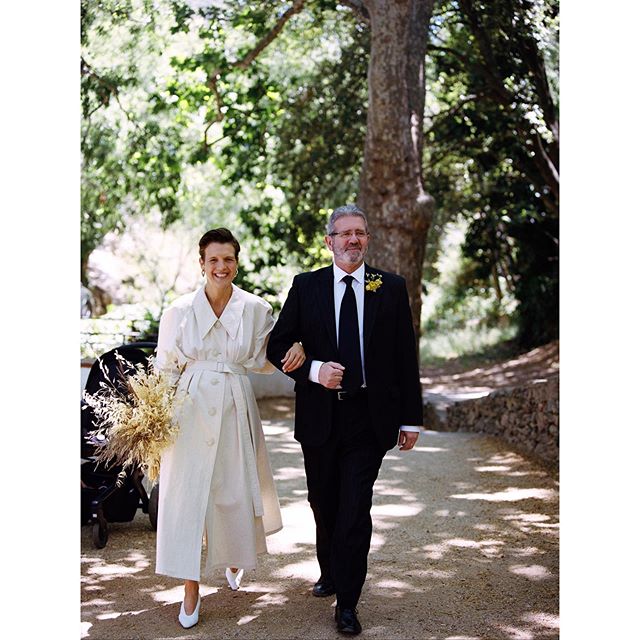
229, 319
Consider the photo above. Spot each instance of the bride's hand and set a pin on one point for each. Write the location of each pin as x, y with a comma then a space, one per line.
294, 358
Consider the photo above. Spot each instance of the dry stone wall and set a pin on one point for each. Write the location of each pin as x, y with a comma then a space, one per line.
527, 417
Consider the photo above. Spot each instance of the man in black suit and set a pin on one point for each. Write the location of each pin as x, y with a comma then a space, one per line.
358, 394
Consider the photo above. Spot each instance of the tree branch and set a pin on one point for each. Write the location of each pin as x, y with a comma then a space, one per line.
87, 70
213, 84
496, 85
244, 62
358, 8
532, 59
450, 112
453, 52
296, 7
544, 162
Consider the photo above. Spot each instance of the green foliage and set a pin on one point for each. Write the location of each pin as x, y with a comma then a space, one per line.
462, 314
465, 343
150, 327
132, 150
296, 129
470, 347
286, 134
178, 125
102, 189
493, 119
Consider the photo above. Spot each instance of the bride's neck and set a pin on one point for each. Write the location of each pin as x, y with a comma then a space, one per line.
218, 297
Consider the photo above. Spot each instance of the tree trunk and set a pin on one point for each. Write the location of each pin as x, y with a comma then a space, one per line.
391, 189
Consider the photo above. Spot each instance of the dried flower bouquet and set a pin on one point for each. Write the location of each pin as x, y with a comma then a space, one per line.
135, 424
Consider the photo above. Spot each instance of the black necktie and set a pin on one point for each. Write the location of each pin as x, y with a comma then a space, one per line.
349, 339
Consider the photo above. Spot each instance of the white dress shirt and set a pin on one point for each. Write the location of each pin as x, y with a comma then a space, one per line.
338, 292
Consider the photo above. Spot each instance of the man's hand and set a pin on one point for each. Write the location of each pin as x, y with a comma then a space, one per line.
407, 439
330, 375
294, 358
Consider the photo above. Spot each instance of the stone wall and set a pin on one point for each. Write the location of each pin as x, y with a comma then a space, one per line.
527, 417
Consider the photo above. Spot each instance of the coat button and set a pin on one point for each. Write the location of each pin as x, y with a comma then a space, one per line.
213, 411
211, 442
215, 381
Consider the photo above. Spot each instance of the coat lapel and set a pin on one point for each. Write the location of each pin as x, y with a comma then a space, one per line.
371, 302
205, 317
229, 319
324, 294
232, 314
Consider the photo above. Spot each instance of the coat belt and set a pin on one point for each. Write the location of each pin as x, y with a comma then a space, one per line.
216, 365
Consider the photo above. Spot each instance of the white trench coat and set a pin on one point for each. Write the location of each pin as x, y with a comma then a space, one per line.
216, 478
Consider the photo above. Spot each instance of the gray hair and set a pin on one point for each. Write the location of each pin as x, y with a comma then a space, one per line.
341, 212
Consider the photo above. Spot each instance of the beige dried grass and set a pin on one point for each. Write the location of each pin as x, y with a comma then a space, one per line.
137, 424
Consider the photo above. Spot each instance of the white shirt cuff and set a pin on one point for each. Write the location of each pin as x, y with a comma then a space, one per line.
314, 370
404, 427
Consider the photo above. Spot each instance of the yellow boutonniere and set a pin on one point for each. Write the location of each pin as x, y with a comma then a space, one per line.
373, 282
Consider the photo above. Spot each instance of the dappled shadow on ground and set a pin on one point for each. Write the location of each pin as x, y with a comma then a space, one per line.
480, 538
457, 376
465, 547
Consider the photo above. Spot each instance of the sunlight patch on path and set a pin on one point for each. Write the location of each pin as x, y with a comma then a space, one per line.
298, 529
271, 429
512, 494
548, 620
115, 569
432, 574
305, 569
487, 548
176, 594
395, 588
517, 634
532, 572
429, 449
397, 510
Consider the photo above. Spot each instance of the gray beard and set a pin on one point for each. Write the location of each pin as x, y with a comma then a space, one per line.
352, 259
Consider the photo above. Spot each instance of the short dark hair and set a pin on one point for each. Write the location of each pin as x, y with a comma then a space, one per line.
346, 210
221, 235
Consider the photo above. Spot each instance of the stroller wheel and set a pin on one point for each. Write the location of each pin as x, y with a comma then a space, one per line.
153, 507
100, 534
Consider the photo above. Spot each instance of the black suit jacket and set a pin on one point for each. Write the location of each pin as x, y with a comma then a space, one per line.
390, 359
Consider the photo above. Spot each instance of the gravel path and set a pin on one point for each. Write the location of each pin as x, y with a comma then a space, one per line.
465, 547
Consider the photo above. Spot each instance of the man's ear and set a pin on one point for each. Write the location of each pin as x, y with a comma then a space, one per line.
328, 240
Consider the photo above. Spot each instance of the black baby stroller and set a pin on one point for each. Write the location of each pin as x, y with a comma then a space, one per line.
102, 499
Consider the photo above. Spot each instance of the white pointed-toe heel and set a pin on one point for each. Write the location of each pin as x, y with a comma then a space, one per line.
234, 578
189, 621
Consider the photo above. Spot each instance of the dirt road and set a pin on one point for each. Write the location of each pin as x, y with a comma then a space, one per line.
465, 547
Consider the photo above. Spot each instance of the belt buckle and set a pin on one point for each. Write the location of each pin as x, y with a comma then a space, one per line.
343, 395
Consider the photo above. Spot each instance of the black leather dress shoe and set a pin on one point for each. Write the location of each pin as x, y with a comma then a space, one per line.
323, 588
347, 621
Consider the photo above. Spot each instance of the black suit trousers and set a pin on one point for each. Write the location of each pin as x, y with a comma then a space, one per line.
340, 478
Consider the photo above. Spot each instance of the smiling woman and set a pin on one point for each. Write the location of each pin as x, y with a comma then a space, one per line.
219, 261
216, 477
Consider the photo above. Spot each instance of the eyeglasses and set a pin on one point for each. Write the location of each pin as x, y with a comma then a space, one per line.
345, 235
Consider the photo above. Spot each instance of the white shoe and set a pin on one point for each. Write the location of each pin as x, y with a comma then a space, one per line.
189, 621
234, 578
